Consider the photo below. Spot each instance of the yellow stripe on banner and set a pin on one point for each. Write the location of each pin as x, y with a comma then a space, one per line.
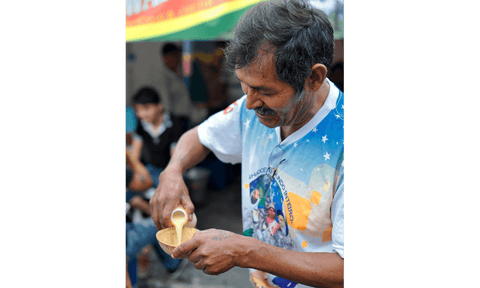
182, 23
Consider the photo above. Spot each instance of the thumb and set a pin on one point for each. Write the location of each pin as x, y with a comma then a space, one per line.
184, 249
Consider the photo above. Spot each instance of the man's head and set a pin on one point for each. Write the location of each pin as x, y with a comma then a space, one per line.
299, 36
255, 195
271, 212
172, 57
280, 217
148, 104
288, 44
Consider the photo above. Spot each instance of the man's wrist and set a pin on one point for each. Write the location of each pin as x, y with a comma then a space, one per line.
173, 168
246, 248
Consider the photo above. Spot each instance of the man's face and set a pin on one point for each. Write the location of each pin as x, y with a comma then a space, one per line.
272, 99
173, 61
271, 213
149, 112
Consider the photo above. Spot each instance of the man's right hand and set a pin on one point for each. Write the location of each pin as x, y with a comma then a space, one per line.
171, 193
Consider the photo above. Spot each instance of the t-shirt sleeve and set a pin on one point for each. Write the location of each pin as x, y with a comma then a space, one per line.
222, 133
137, 137
337, 217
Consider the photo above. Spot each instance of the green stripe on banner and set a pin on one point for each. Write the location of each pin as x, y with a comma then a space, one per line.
223, 27
210, 30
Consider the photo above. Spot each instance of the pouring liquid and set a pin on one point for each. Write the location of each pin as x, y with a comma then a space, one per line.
178, 220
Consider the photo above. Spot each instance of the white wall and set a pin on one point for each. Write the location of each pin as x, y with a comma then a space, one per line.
145, 68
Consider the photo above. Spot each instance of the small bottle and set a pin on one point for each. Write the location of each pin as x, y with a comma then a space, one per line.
180, 213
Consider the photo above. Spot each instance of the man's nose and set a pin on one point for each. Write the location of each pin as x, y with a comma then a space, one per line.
253, 101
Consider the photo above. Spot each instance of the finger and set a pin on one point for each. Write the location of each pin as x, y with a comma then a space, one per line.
182, 257
199, 265
167, 214
154, 208
206, 269
192, 223
188, 205
186, 247
194, 256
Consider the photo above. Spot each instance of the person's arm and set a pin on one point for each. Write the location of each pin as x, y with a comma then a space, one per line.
141, 204
133, 157
217, 251
141, 178
136, 149
172, 191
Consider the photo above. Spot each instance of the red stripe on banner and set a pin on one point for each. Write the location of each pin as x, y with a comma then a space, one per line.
172, 9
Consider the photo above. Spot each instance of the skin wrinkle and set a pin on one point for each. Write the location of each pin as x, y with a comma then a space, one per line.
290, 113
263, 251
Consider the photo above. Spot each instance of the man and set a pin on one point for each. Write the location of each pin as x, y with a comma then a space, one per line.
287, 131
211, 67
156, 134
171, 86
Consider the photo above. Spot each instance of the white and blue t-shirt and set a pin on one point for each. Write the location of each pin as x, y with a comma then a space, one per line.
306, 193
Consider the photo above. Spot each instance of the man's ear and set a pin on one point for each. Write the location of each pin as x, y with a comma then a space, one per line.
318, 74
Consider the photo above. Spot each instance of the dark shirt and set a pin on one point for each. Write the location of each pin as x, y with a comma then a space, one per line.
156, 151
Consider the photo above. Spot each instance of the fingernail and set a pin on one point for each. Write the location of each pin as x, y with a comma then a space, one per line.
190, 217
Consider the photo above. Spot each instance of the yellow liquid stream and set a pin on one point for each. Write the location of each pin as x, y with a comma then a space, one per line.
178, 220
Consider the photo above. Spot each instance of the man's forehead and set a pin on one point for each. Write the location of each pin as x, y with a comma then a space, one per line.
262, 66
145, 105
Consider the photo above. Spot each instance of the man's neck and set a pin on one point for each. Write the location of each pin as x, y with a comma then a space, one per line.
322, 95
158, 121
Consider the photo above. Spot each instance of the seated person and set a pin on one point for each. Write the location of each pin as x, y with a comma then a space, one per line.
156, 133
138, 178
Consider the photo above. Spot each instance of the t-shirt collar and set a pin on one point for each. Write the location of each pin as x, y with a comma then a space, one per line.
329, 104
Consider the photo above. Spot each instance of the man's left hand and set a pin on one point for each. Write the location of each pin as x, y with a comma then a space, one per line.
213, 251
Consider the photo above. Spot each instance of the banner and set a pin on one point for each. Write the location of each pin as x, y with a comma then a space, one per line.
176, 20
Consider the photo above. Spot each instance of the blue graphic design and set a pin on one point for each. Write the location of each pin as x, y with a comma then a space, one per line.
283, 283
270, 225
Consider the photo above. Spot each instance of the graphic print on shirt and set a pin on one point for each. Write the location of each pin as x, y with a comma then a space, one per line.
276, 219
270, 225
301, 194
307, 206
230, 108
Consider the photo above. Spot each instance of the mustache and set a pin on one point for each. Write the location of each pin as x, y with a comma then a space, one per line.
264, 111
